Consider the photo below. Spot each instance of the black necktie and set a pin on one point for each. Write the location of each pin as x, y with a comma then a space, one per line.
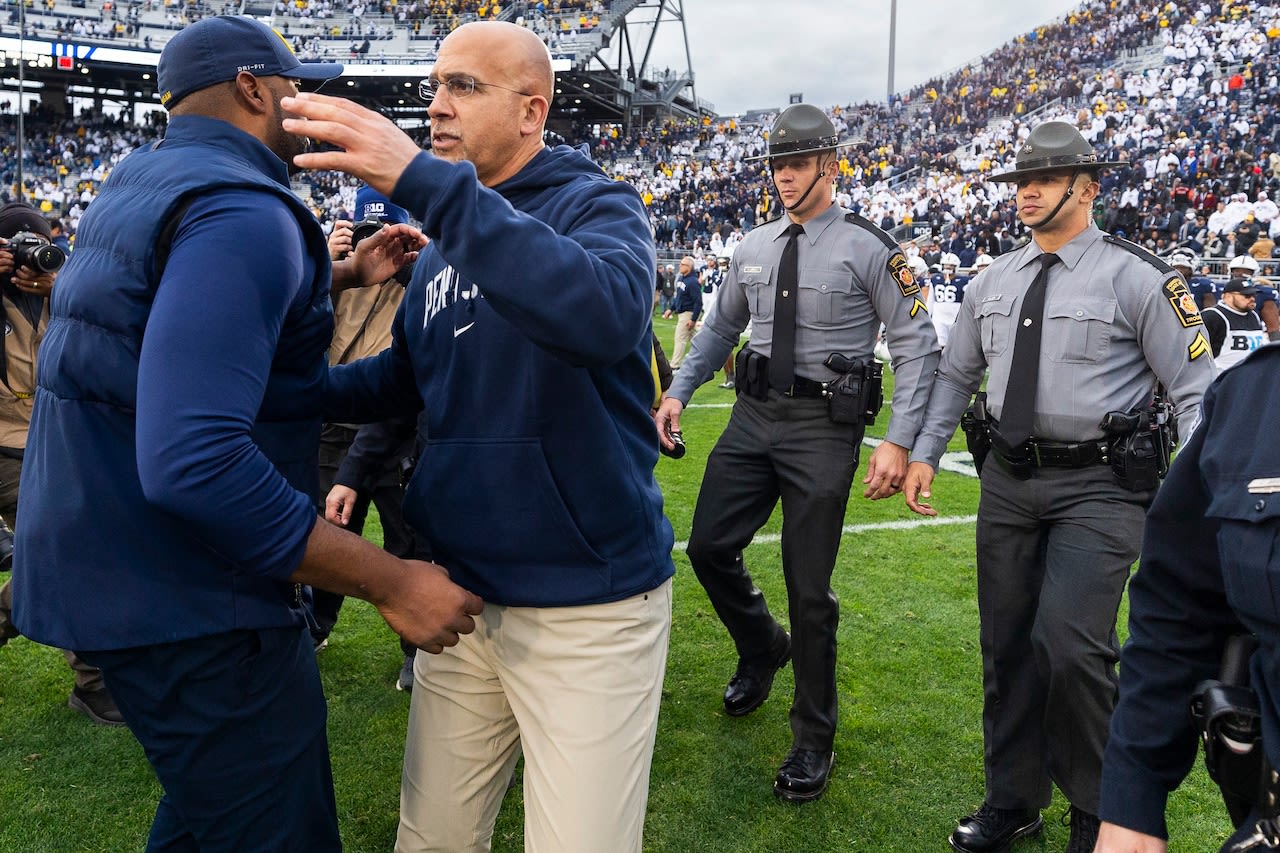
1024, 372
782, 361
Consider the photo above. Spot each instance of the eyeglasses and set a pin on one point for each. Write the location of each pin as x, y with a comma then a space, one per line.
459, 87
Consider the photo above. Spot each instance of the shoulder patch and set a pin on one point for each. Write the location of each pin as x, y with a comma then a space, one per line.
1135, 249
900, 270
1183, 303
863, 222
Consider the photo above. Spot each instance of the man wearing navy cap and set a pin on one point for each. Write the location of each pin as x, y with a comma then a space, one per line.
1233, 326
169, 512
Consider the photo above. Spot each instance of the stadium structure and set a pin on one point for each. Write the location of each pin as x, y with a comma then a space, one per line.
72, 55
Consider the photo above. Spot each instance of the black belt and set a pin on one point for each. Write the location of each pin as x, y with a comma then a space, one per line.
1052, 454
801, 387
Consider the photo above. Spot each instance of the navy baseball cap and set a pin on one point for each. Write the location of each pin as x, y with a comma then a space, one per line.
371, 204
214, 50
1240, 285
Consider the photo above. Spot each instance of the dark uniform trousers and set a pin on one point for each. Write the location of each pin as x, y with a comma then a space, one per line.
387, 495
259, 779
784, 448
1054, 554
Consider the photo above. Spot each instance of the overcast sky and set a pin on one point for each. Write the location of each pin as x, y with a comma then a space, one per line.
749, 54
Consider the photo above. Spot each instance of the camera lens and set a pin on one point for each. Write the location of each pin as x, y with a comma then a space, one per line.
46, 258
366, 228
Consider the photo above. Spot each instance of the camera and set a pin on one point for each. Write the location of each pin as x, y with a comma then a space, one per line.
35, 252
367, 228
364, 228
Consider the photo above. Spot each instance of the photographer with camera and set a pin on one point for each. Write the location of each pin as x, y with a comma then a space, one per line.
28, 265
362, 319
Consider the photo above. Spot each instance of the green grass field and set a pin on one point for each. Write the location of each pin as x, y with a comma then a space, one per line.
909, 743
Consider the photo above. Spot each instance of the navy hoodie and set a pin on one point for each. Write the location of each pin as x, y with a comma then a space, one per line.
525, 332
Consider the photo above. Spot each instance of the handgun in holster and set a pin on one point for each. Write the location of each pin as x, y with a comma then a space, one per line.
1227, 715
976, 424
1140, 443
857, 393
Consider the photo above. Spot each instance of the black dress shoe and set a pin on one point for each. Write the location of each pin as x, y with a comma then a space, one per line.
803, 775
751, 684
992, 830
1084, 830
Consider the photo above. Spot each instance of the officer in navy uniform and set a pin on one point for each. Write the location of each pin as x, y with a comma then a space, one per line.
815, 284
1057, 530
1207, 574
1233, 327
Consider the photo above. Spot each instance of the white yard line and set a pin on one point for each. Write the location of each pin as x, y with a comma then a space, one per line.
853, 529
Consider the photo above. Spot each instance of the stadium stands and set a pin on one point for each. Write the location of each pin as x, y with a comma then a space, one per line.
1187, 95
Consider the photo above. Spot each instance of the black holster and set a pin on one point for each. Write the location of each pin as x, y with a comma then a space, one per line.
976, 424
1140, 446
751, 373
857, 393
1226, 712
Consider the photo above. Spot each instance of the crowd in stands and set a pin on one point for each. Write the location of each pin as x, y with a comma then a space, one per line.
427, 21
1198, 129
328, 30
1192, 110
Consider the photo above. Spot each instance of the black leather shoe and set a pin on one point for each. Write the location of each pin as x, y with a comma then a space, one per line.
1084, 831
803, 776
751, 684
992, 830
97, 705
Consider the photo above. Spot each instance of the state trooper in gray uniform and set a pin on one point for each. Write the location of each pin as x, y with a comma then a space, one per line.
1062, 508
816, 285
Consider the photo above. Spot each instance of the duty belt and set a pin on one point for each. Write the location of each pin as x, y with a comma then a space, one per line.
1052, 454
801, 387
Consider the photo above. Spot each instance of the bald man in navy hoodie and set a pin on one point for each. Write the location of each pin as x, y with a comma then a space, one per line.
525, 335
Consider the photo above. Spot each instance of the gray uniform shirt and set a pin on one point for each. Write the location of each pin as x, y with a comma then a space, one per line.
1114, 323
852, 278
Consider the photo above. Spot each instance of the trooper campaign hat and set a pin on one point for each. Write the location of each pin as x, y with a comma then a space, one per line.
1053, 147
802, 129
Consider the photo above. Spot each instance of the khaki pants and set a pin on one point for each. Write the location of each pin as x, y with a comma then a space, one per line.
683, 336
577, 689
